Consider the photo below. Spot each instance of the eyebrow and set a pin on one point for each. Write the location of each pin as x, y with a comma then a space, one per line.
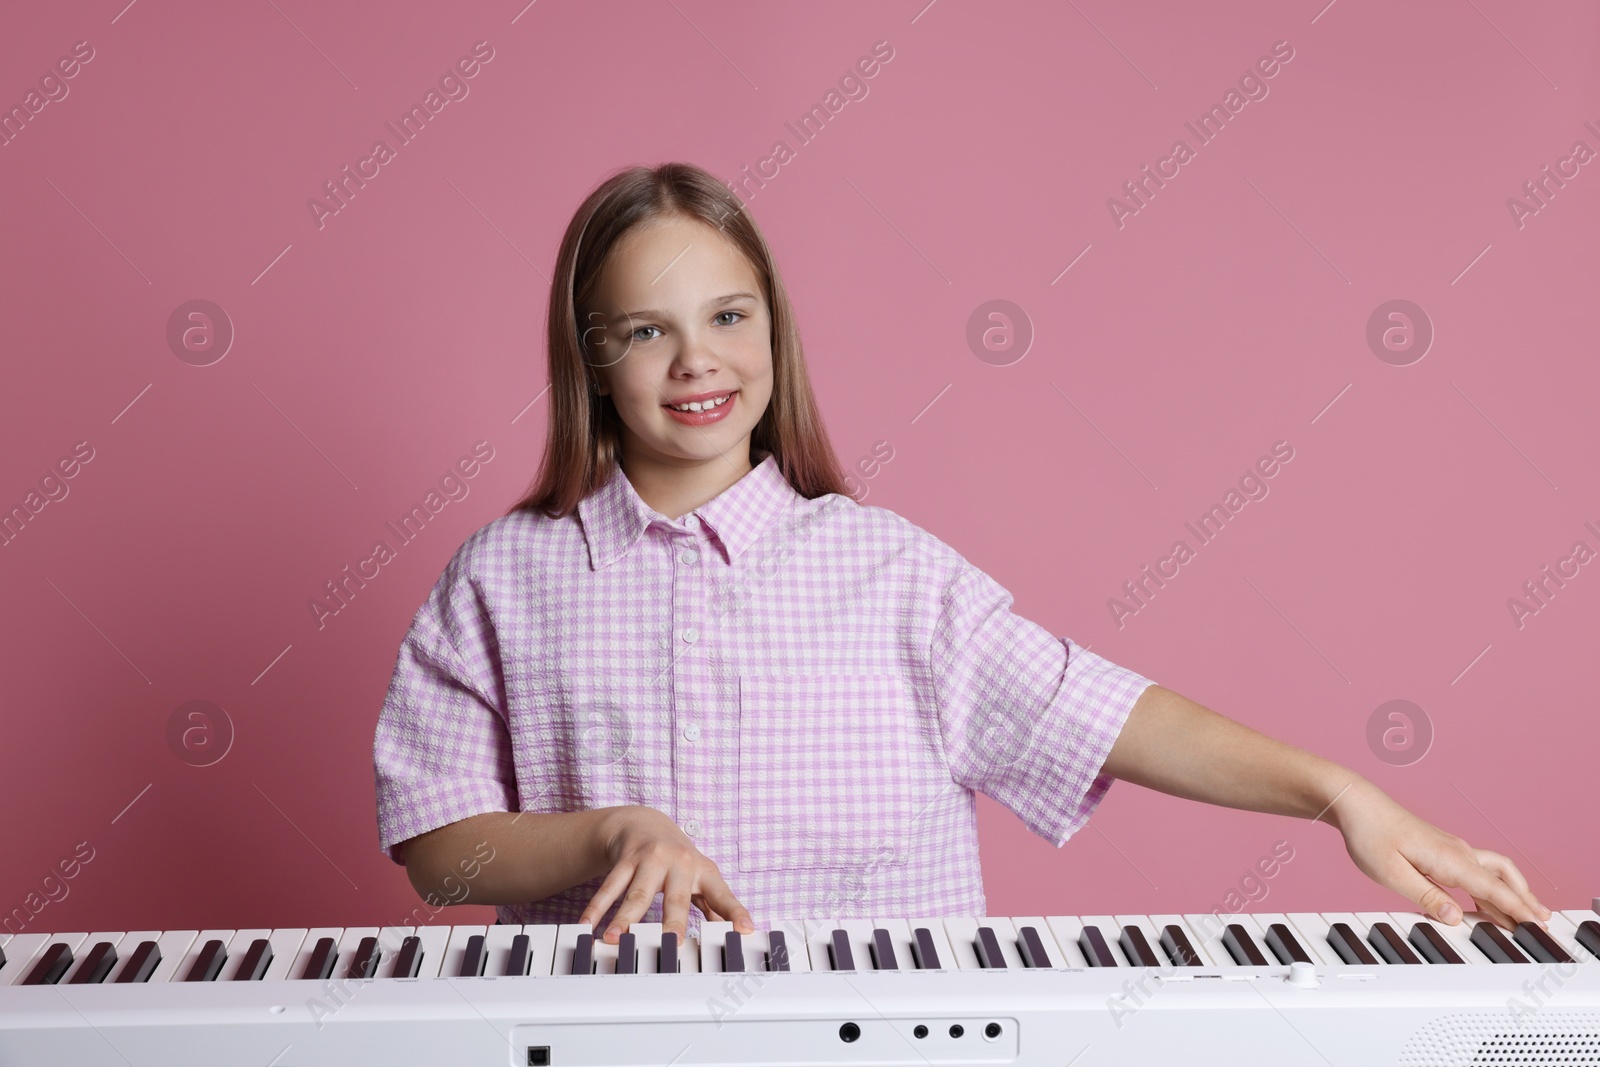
656, 313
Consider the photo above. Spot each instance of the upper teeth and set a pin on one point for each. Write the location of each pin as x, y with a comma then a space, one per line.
702, 405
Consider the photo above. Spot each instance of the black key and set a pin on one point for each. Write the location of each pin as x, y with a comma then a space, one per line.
1175, 943
1137, 948
1432, 944
1493, 942
668, 960
732, 951
521, 957
839, 951
2, 958
209, 963
1242, 947
96, 965
1538, 943
883, 951
1095, 949
409, 962
256, 961
141, 965
988, 946
1285, 946
364, 964
320, 966
923, 948
627, 954
583, 955
1031, 947
1588, 936
1350, 948
475, 958
51, 966
1390, 945
777, 951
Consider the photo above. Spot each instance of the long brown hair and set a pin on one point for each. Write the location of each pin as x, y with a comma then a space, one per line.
583, 436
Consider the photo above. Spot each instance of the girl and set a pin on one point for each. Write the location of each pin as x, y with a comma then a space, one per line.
689, 677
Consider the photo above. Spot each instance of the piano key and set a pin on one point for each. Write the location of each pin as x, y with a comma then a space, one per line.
1284, 944
1159, 924
1092, 943
627, 952
350, 942
926, 953
1030, 945
660, 952
1495, 944
95, 961
1206, 930
409, 959
256, 960
714, 938
1065, 930
1539, 945
364, 960
883, 958
1138, 941
669, 959
521, 960
583, 955
497, 948
778, 951
962, 933
1179, 947
321, 960
839, 954
1349, 945
208, 964
1431, 945
1457, 937
237, 947
1242, 946
455, 954
20, 951
1588, 936
937, 938
142, 964
300, 966
436, 945
1312, 930
1388, 943
732, 950
988, 947
51, 965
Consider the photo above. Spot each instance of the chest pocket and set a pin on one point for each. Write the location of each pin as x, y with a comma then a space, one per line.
825, 774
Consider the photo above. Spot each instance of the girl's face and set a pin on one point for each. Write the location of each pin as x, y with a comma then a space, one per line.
679, 316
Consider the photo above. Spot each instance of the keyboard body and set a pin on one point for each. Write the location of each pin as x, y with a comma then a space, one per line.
1305, 988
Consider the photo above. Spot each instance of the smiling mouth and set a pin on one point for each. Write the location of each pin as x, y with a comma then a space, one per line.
702, 405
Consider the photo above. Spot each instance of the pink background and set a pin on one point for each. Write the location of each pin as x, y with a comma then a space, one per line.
1228, 314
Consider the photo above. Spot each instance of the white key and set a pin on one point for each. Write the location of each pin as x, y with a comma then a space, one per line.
497, 943
302, 958
456, 951
819, 939
390, 938
193, 954
1066, 929
20, 952
541, 947
567, 945
1205, 930
1159, 923
435, 943
713, 936
285, 944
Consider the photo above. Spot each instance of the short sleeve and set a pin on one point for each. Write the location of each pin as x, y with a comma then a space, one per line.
442, 751
1026, 717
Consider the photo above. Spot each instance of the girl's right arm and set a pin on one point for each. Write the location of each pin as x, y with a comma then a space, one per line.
503, 857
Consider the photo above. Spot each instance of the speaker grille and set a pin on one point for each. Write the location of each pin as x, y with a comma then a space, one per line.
1500, 1039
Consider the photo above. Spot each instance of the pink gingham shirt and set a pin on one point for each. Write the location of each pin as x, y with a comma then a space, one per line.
811, 689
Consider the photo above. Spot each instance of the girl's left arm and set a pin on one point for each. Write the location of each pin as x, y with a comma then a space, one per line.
1174, 745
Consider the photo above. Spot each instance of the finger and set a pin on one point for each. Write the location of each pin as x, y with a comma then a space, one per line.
1497, 916
1508, 872
1431, 899
614, 883
637, 900
720, 897
1495, 897
675, 903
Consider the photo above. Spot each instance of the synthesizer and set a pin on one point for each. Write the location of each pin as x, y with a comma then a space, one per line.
1321, 989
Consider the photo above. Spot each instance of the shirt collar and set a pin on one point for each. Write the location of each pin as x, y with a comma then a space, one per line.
614, 516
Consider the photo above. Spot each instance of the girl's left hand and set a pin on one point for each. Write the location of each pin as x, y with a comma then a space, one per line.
1421, 862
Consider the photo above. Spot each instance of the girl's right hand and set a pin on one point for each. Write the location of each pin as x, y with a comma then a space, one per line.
649, 854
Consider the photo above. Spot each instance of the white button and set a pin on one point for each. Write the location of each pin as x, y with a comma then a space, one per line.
688, 555
692, 731
692, 827
691, 521
691, 635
